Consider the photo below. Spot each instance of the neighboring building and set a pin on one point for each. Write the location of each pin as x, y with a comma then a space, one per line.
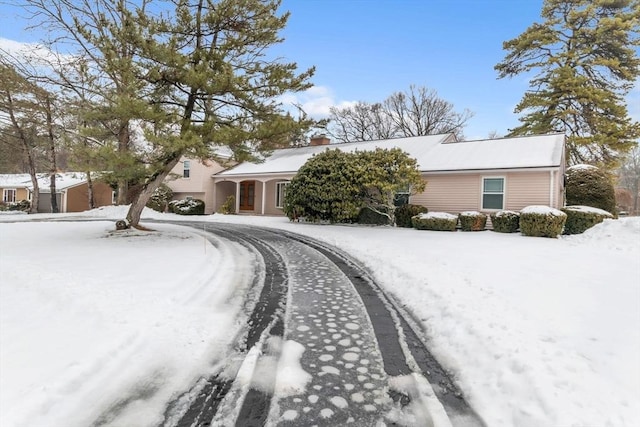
483, 175
192, 179
15, 187
72, 191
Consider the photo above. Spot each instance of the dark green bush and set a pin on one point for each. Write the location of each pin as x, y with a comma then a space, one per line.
472, 221
187, 207
404, 214
589, 186
505, 221
582, 218
371, 217
22, 205
437, 221
159, 200
541, 221
229, 206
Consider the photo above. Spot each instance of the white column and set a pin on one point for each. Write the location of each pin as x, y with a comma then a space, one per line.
237, 197
264, 198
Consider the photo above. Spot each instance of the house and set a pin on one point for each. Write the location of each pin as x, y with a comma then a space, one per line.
15, 187
191, 178
72, 191
482, 175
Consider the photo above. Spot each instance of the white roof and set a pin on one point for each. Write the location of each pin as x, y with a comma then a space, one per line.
15, 180
432, 152
64, 180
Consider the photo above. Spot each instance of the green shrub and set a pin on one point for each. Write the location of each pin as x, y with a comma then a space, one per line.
404, 214
22, 205
159, 200
229, 206
187, 207
371, 217
472, 221
505, 221
581, 218
541, 221
589, 186
437, 221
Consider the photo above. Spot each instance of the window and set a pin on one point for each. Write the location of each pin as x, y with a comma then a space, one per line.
9, 195
492, 193
280, 189
402, 196
186, 170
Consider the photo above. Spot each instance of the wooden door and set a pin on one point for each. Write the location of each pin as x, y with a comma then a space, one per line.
247, 195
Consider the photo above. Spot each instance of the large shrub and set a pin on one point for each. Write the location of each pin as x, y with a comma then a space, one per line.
589, 186
159, 200
404, 214
541, 221
581, 218
437, 221
187, 207
328, 187
505, 221
472, 221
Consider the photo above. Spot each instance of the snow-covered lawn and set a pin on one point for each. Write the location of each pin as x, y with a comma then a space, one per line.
538, 332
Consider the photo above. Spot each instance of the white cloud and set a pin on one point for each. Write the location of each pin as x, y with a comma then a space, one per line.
37, 53
315, 101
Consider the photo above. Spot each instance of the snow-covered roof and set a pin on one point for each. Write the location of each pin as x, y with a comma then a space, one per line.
15, 180
64, 180
433, 153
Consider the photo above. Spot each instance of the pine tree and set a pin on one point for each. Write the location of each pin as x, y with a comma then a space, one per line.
584, 58
182, 78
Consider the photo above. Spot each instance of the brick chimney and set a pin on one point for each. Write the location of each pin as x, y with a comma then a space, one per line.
319, 139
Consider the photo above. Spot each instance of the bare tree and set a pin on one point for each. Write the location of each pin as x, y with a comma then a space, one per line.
629, 176
417, 111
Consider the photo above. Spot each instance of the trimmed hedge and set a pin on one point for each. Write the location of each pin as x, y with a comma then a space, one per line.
404, 214
505, 221
582, 218
472, 221
371, 217
541, 221
589, 186
437, 221
187, 207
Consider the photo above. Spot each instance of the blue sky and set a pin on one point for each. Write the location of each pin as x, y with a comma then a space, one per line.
364, 50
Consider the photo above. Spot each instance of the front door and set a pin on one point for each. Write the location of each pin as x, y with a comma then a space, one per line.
247, 194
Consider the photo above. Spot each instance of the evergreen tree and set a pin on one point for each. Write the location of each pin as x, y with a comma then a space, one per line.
181, 78
585, 61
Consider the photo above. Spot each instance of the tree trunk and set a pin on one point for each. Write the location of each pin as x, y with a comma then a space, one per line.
138, 204
35, 194
124, 137
52, 154
91, 199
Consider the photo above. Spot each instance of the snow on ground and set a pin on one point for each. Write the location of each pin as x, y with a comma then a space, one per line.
538, 332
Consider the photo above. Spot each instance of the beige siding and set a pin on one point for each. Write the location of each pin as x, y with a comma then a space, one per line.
450, 193
461, 192
222, 192
199, 185
270, 206
527, 188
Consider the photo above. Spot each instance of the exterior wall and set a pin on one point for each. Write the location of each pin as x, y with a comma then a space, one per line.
458, 192
21, 193
270, 205
77, 198
199, 185
222, 192
44, 202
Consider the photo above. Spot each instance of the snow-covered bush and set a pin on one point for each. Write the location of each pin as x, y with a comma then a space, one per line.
159, 200
541, 221
472, 221
505, 221
404, 214
187, 207
22, 205
581, 218
589, 186
437, 221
